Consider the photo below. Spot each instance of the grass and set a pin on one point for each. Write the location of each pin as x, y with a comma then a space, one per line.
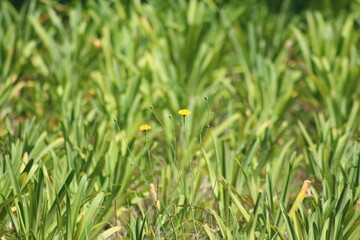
269, 151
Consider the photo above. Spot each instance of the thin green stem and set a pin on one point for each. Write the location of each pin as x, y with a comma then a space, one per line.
149, 156
192, 193
173, 146
146, 181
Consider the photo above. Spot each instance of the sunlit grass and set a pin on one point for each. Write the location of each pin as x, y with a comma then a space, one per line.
179, 120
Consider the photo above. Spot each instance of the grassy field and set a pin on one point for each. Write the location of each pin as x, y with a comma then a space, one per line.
269, 151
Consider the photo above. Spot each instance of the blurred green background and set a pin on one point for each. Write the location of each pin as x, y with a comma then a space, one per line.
274, 91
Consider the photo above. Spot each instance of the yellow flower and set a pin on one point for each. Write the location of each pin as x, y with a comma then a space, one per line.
184, 112
144, 127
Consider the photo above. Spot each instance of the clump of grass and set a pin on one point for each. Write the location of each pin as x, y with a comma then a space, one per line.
272, 152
